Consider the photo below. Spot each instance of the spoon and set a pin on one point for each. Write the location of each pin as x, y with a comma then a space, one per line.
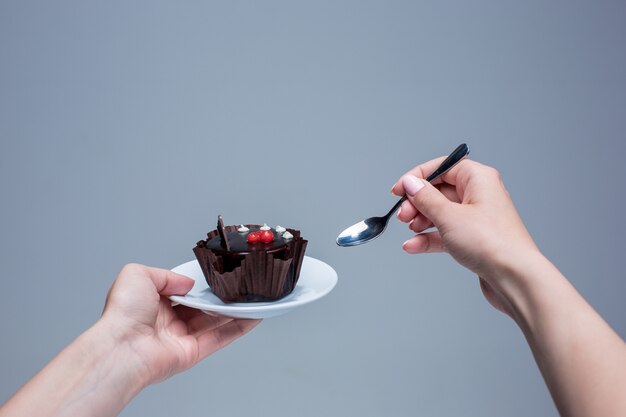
368, 229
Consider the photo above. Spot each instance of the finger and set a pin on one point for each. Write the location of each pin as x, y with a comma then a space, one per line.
420, 171
424, 243
204, 323
420, 223
407, 212
427, 199
450, 192
165, 281
458, 175
187, 314
216, 339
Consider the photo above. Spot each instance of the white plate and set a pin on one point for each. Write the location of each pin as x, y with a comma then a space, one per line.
316, 280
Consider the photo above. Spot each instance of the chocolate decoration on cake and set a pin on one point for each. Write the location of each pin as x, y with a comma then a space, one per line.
246, 272
223, 237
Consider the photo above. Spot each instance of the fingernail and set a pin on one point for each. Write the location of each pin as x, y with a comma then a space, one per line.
399, 211
412, 184
392, 193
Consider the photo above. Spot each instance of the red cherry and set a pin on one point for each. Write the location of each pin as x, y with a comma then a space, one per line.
253, 237
267, 236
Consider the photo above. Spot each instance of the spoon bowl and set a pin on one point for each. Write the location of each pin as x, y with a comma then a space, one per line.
363, 231
372, 227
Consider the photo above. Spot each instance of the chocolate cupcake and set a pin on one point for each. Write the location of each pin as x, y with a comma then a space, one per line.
252, 262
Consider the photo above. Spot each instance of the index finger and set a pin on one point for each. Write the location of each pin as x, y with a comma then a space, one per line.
457, 175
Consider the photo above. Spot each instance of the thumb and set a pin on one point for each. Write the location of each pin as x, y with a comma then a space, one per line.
426, 198
169, 283
140, 285
165, 282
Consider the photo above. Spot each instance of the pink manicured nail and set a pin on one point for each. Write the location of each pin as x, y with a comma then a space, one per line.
412, 184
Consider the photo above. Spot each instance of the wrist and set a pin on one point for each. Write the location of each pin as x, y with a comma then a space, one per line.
514, 266
111, 351
527, 280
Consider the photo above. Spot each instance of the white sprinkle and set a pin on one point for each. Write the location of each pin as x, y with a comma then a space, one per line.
287, 236
265, 227
243, 229
280, 229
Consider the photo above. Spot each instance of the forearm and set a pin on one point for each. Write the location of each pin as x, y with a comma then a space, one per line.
581, 358
91, 377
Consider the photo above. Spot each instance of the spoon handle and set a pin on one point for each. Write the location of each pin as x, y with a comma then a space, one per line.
459, 153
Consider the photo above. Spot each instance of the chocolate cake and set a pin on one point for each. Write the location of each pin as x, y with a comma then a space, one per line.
251, 265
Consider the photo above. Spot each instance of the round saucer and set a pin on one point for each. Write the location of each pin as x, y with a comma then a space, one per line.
316, 280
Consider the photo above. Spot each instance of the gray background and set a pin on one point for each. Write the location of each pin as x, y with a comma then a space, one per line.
126, 127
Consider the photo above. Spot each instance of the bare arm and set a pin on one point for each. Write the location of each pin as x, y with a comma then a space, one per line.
93, 376
140, 339
583, 361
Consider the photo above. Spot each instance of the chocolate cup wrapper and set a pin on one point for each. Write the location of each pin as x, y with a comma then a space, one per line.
260, 276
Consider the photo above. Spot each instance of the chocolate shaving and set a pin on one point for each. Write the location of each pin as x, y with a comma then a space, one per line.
222, 232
